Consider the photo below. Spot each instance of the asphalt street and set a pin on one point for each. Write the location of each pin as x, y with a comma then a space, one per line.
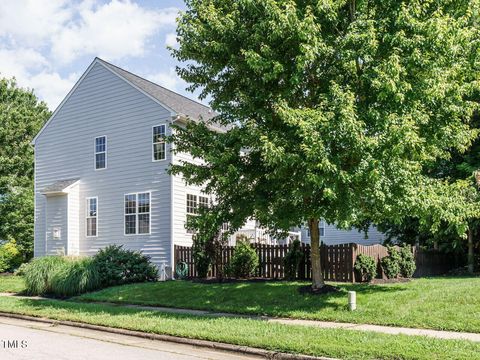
29, 340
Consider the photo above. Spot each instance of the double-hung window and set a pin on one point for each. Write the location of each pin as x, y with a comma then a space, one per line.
100, 152
137, 213
92, 205
191, 210
194, 202
158, 143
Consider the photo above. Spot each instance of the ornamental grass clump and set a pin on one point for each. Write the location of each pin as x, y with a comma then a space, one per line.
39, 273
75, 276
68, 276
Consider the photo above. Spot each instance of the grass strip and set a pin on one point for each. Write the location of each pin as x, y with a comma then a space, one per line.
430, 303
337, 343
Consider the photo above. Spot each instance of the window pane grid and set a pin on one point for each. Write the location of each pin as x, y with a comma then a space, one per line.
191, 204
158, 141
91, 216
137, 213
203, 202
100, 152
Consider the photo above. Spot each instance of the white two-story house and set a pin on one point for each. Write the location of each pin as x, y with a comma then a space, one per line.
101, 165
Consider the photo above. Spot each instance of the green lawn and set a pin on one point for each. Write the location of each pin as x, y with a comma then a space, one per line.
436, 303
337, 343
11, 284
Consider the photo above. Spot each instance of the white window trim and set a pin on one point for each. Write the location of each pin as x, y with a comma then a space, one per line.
152, 144
100, 152
136, 214
87, 210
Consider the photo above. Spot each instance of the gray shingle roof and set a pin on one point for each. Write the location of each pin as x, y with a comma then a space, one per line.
178, 103
58, 186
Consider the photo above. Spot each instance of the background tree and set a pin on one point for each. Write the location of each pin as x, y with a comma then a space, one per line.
331, 108
21, 117
447, 233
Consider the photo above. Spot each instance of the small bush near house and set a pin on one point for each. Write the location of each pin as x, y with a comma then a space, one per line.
117, 266
407, 261
292, 260
366, 267
10, 256
391, 263
244, 261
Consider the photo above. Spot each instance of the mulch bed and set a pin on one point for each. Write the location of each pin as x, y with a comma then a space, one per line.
389, 281
232, 280
326, 289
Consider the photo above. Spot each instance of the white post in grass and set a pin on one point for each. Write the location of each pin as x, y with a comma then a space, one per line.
352, 300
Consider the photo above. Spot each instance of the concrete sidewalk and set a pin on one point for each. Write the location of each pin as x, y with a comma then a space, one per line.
439, 334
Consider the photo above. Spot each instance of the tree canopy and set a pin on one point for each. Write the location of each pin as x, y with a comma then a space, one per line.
331, 108
21, 116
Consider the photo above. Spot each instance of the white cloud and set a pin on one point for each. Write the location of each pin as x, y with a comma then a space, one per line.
31, 70
114, 30
171, 40
52, 87
32, 22
40, 41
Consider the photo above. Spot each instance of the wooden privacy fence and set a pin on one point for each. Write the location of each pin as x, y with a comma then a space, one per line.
337, 260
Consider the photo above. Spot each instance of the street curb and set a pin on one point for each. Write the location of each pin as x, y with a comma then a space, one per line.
170, 338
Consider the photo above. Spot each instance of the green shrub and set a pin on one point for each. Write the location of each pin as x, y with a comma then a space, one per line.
10, 256
75, 276
391, 263
39, 273
292, 260
117, 266
407, 261
366, 267
68, 276
244, 261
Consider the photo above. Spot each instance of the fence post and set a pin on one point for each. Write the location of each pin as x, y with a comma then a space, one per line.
353, 251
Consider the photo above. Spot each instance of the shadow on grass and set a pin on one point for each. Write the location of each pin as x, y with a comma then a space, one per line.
276, 298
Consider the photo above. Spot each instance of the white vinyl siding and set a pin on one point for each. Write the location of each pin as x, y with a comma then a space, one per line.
104, 104
158, 143
137, 213
92, 216
100, 152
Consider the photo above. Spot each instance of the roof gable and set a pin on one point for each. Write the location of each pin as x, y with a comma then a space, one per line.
175, 103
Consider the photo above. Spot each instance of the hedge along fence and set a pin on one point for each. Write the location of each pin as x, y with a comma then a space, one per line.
337, 261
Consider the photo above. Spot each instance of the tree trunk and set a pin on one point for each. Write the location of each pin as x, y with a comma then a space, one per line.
471, 257
317, 276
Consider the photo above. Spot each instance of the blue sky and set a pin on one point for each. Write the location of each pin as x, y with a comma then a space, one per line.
47, 44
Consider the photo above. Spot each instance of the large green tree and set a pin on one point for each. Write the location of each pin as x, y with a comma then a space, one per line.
331, 108
21, 117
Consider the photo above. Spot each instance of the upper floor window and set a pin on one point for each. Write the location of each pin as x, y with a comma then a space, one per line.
191, 204
91, 216
158, 143
137, 213
321, 229
100, 152
203, 202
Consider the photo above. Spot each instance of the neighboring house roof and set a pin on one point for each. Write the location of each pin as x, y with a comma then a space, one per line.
58, 187
177, 104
